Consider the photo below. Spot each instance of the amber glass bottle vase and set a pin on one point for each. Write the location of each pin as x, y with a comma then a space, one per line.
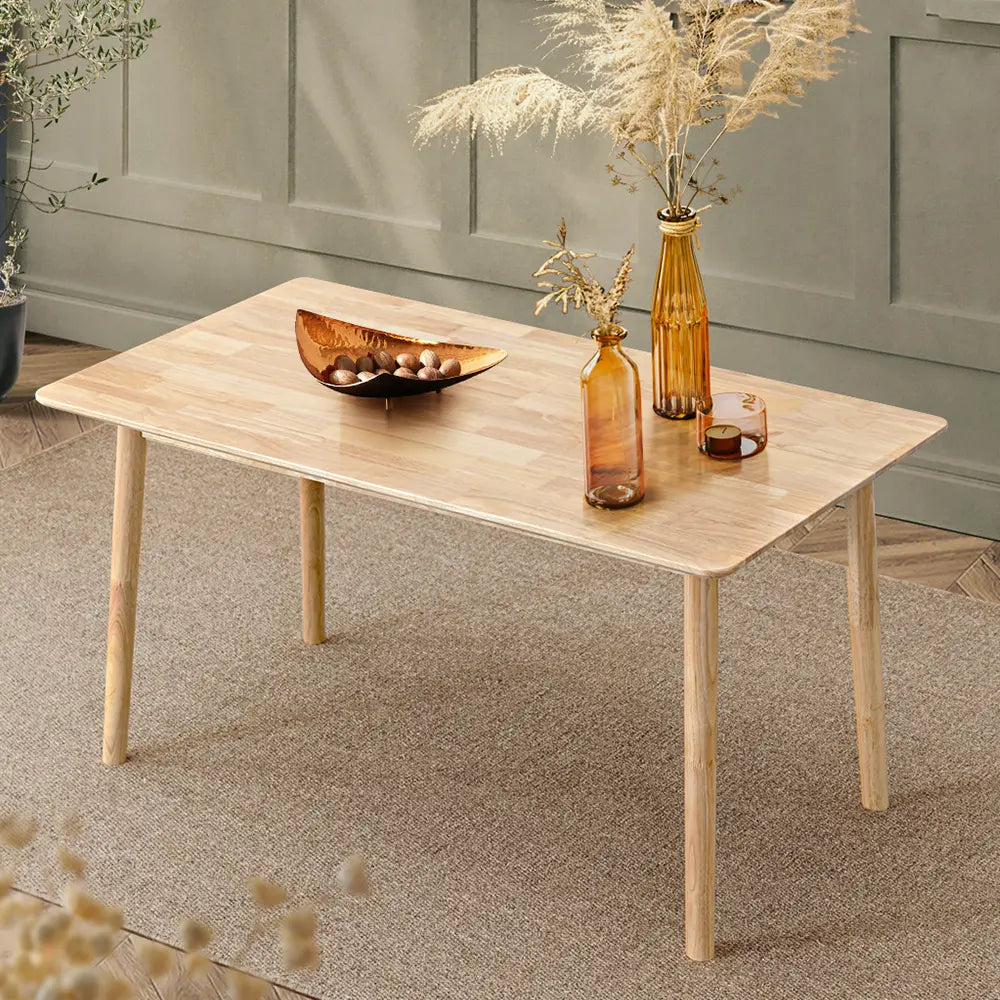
679, 324
612, 417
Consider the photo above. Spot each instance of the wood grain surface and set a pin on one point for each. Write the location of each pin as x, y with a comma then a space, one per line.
505, 448
126, 542
701, 674
981, 580
866, 648
312, 516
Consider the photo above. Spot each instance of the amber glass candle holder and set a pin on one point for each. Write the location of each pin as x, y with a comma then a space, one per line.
732, 426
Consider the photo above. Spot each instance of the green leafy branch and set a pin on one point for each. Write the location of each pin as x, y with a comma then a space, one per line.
49, 52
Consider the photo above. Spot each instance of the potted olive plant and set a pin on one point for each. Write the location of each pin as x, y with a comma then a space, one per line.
48, 52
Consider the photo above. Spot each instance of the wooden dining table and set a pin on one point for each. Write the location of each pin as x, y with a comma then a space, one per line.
504, 448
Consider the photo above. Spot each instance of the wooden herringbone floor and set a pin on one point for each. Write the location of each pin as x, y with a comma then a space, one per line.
947, 560
28, 428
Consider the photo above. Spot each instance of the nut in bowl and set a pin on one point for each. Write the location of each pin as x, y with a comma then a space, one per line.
359, 361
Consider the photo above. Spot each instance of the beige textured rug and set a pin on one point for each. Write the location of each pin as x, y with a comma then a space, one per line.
497, 726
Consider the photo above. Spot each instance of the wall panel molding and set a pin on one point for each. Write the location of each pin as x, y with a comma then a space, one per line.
288, 90
982, 11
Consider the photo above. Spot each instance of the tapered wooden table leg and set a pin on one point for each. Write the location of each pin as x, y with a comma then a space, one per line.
701, 645
130, 478
866, 647
311, 503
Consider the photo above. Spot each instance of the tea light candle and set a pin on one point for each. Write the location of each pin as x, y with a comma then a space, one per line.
731, 426
723, 440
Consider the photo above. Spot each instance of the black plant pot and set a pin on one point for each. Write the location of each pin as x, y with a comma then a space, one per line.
13, 319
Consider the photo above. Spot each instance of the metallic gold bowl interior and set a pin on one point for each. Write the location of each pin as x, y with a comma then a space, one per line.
321, 338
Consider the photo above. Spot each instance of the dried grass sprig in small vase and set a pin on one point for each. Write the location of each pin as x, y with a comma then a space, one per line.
577, 286
612, 399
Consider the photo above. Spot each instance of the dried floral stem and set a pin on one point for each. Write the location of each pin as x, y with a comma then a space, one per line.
576, 286
651, 168
697, 167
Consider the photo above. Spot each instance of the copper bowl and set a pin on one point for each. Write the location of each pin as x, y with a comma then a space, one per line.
321, 339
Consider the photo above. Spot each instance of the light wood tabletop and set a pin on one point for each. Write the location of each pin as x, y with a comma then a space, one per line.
505, 447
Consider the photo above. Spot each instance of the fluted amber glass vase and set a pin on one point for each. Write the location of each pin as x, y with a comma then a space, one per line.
680, 324
612, 417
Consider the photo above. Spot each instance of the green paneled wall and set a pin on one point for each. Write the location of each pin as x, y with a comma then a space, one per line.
264, 139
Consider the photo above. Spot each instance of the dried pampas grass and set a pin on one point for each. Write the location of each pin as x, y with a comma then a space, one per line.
654, 74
